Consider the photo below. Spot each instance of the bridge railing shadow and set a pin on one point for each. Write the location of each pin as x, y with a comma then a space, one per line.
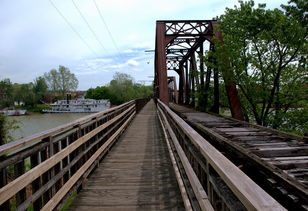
42, 171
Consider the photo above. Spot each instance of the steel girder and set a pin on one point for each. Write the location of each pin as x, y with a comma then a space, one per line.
175, 47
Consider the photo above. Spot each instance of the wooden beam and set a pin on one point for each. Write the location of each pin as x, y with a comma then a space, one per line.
16, 185
249, 193
17, 145
179, 179
200, 193
52, 203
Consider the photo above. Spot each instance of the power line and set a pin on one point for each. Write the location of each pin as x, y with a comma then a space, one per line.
85, 20
72, 27
107, 28
91, 29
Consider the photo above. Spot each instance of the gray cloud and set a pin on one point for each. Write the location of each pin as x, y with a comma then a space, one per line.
35, 39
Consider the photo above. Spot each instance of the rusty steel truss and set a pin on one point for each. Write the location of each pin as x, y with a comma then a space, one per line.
179, 47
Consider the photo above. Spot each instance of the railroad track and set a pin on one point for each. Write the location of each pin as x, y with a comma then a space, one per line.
276, 161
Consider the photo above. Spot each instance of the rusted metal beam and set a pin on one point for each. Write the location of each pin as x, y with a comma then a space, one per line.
230, 85
181, 84
208, 79
201, 98
192, 80
187, 84
160, 62
193, 49
183, 38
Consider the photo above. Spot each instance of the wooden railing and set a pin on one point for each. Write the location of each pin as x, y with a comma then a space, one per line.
216, 183
42, 171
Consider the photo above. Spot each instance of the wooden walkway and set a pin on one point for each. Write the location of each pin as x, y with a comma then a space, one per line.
137, 174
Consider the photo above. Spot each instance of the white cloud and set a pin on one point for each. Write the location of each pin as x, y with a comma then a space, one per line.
35, 38
129, 51
132, 62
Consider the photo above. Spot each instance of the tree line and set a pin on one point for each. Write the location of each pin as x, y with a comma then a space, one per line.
46, 88
266, 52
120, 89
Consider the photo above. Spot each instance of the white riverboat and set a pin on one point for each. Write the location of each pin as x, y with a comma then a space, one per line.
78, 106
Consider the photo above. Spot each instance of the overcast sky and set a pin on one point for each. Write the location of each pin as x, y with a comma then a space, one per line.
34, 37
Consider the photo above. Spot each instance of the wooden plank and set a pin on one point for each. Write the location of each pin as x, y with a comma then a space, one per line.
237, 129
14, 158
185, 198
286, 158
36, 184
66, 187
15, 145
144, 179
19, 169
290, 164
281, 151
263, 128
245, 133
200, 193
13, 187
37, 192
267, 170
3, 182
250, 194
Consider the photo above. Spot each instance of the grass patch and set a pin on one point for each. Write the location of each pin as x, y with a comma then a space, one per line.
69, 202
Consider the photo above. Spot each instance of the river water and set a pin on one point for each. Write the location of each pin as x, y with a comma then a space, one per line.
37, 122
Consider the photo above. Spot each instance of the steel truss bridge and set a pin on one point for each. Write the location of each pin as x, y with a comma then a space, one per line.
160, 154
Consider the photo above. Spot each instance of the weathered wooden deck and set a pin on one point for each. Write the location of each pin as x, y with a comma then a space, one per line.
275, 160
137, 174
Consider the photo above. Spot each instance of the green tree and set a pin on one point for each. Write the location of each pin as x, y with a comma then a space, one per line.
61, 80
6, 126
265, 49
24, 93
297, 9
40, 89
6, 93
121, 89
100, 92
51, 79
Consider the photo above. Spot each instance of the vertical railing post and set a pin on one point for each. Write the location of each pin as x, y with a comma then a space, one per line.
3, 181
45, 154
36, 184
19, 169
65, 161
3, 173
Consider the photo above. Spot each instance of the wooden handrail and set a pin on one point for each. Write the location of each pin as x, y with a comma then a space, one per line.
248, 192
202, 197
16, 145
59, 158
63, 191
21, 182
